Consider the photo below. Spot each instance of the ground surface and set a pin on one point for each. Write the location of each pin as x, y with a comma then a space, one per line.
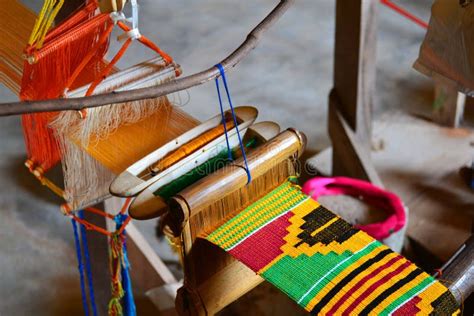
287, 77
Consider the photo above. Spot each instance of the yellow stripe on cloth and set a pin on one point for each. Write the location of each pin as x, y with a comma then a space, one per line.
368, 283
372, 296
337, 279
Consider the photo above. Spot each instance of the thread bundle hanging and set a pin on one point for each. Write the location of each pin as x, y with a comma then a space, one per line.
72, 54
54, 63
122, 301
121, 284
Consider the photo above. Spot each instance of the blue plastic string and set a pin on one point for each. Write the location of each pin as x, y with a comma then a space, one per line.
224, 80
80, 267
128, 300
229, 151
87, 261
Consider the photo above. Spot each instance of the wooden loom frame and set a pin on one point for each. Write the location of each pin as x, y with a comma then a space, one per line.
350, 117
350, 105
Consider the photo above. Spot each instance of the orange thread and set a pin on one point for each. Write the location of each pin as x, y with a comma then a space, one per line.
60, 58
109, 67
145, 41
191, 147
102, 40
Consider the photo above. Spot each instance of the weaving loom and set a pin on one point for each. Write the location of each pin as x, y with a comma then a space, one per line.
289, 240
251, 208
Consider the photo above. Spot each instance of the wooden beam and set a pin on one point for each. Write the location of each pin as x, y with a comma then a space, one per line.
354, 85
353, 158
458, 272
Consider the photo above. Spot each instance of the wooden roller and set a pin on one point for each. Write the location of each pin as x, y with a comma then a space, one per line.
108, 6
149, 204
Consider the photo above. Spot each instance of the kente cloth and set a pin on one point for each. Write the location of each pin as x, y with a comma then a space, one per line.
324, 264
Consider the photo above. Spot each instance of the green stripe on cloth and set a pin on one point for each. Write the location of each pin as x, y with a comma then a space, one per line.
399, 302
310, 281
255, 217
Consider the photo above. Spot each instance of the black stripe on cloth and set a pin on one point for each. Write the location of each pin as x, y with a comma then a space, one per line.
338, 231
379, 299
340, 285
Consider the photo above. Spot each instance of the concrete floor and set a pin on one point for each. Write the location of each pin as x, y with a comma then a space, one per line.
287, 77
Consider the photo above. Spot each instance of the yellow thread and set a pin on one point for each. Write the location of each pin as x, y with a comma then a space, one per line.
44, 22
317, 231
371, 281
272, 212
337, 280
404, 289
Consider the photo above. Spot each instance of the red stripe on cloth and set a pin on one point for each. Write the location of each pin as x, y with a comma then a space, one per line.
258, 250
375, 286
409, 308
359, 284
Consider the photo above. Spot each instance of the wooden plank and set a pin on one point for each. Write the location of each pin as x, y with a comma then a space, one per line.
150, 271
227, 285
354, 84
458, 273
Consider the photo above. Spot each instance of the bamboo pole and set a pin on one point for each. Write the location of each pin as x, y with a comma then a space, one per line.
253, 38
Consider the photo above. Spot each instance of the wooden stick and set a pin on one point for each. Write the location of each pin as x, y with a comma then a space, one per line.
16, 108
229, 179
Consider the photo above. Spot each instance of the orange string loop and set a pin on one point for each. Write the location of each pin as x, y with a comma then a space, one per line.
109, 67
99, 212
145, 41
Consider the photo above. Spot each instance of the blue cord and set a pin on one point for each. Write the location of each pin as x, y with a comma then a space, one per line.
87, 260
80, 267
229, 152
224, 80
128, 300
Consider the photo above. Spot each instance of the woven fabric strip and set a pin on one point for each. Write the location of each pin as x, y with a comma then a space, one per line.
323, 263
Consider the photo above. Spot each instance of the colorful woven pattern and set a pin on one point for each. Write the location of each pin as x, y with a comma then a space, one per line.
325, 264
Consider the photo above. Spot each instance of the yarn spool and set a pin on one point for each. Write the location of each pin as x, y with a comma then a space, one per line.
378, 212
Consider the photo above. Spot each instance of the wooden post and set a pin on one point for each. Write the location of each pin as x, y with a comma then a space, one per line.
351, 100
448, 104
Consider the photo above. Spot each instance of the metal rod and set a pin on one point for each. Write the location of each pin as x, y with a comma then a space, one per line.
15, 108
